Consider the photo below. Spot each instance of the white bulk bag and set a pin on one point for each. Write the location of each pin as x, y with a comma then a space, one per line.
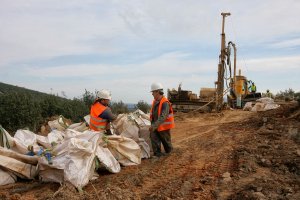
6, 138
7, 177
107, 159
125, 150
21, 169
23, 139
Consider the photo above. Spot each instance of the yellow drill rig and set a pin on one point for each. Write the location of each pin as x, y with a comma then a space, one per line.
237, 86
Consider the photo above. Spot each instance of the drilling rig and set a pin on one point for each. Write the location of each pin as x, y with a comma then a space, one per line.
222, 66
238, 87
212, 98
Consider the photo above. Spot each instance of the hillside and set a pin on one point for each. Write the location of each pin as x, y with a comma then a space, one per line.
7, 88
25, 108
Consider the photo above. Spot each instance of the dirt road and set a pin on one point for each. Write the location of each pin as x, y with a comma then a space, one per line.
233, 155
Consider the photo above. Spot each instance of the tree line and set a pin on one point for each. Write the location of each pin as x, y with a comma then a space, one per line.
22, 108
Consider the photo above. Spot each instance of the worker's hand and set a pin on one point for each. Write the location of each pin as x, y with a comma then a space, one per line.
151, 129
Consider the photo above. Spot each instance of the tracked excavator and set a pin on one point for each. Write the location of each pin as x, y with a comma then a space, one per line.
237, 86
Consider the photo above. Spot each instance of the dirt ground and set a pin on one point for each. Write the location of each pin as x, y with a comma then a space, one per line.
230, 155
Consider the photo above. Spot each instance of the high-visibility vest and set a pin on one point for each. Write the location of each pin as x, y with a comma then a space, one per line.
169, 122
97, 123
253, 88
269, 94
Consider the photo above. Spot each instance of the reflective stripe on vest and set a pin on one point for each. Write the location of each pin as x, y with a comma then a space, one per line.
169, 122
97, 123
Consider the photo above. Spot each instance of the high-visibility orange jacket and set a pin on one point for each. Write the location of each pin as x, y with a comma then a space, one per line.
97, 123
169, 122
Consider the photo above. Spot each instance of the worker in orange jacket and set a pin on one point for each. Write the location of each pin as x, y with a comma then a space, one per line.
101, 115
162, 121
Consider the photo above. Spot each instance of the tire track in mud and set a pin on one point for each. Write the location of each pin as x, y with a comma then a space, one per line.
204, 151
176, 175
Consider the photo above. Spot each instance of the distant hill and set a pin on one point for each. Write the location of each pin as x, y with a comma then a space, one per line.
21, 107
7, 88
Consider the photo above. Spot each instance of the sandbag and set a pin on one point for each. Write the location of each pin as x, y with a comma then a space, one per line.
23, 139
43, 141
54, 137
70, 133
60, 124
7, 177
258, 107
87, 119
145, 148
248, 106
131, 126
145, 134
141, 118
81, 126
125, 150
19, 168
271, 106
6, 140
125, 126
265, 100
33, 160
74, 157
107, 159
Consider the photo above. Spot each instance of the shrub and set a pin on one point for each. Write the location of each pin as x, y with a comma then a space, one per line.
143, 106
119, 107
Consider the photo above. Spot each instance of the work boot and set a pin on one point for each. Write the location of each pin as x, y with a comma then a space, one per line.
157, 155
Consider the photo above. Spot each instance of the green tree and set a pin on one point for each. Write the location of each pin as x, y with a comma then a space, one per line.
88, 98
143, 106
119, 107
19, 110
288, 94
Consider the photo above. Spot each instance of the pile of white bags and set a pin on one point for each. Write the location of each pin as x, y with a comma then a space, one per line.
263, 104
136, 127
72, 153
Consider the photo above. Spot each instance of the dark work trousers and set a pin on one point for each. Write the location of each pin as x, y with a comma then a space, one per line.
161, 137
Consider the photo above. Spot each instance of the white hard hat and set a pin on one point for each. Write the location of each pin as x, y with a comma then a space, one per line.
104, 94
156, 86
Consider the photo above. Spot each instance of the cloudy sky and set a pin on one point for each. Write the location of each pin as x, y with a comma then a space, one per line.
124, 46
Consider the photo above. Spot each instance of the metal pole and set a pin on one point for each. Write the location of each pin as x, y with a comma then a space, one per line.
220, 82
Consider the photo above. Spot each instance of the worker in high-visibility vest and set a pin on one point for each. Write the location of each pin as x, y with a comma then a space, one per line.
253, 88
101, 115
269, 94
162, 121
